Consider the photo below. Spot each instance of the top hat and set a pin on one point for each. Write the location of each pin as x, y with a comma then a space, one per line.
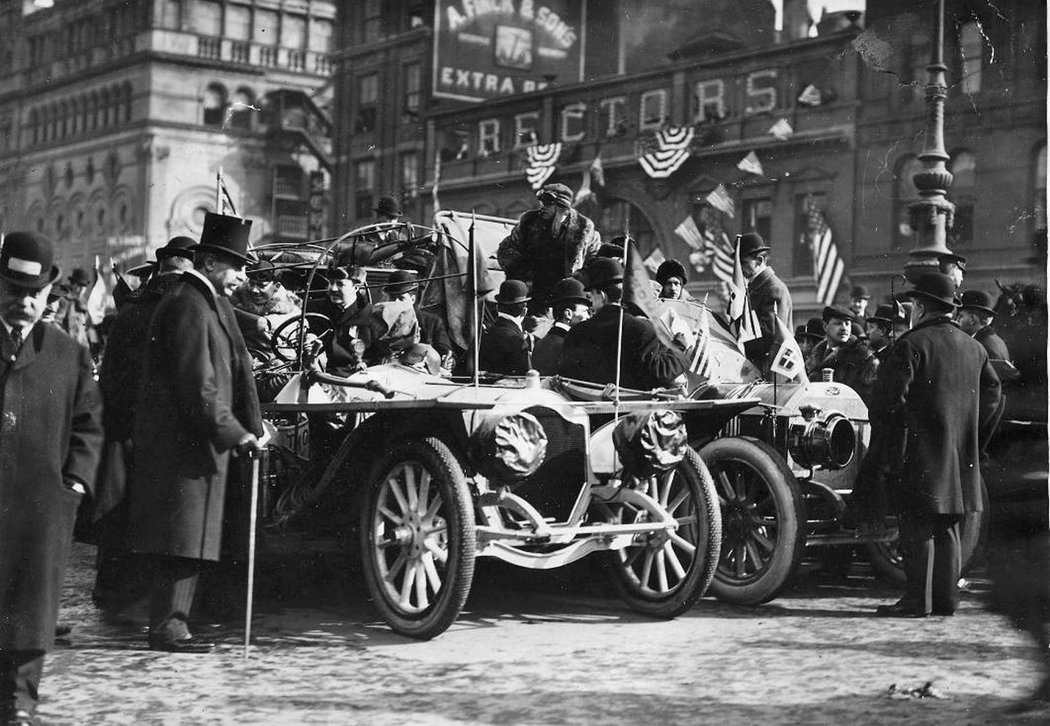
884, 314
859, 292
935, 286
511, 292
176, 247
670, 268
977, 300
603, 271
751, 243
226, 235
814, 329
568, 290
556, 194
388, 206
79, 277
27, 259
357, 274
840, 313
400, 282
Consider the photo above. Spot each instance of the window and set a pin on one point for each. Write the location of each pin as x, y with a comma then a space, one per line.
971, 48
238, 22
293, 31
810, 209
918, 59
264, 29
963, 165
410, 172
367, 100
125, 103
207, 17
288, 181
364, 188
214, 105
373, 20
292, 218
905, 193
171, 14
653, 109
1039, 186
756, 215
320, 38
412, 74
525, 129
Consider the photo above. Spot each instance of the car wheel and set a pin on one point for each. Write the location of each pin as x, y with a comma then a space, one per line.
418, 538
667, 573
763, 520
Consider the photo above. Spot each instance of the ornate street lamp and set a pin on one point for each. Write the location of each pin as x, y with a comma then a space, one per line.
933, 214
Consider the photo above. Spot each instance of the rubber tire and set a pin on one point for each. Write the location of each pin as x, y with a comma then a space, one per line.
458, 511
789, 511
701, 569
884, 557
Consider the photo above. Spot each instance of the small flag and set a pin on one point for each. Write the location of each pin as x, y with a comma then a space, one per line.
670, 151
828, 267
723, 259
743, 318
701, 360
788, 360
719, 199
598, 171
540, 161
810, 96
751, 165
689, 232
782, 130
99, 298
653, 261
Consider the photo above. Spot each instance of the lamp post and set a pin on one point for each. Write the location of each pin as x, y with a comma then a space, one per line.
933, 214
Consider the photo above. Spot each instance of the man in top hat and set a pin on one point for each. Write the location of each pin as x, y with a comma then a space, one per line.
858, 302
197, 407
850, 358
403, 287
51, 416
975, 316
589, 352
570, 305
505, 347
672, 278
879, 328
119, 573
936, 395
769, 297
548, 244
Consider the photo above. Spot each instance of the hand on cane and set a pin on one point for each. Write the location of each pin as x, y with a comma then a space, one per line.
250, 445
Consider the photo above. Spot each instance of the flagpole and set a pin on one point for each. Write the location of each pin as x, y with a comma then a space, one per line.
776, 314
475, 299
619, 329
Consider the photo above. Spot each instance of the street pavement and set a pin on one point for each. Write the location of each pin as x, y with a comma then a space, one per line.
543, 648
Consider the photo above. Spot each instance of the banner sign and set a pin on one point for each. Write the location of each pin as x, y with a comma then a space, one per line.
486, 49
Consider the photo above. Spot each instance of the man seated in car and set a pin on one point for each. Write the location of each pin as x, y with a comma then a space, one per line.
347, 348
849, 357
403, 287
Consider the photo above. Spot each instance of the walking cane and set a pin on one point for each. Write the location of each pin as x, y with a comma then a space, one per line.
251, 552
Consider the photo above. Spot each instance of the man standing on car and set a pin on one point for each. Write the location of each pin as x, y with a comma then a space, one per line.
50, 438
769, 297
936, 393
197, 405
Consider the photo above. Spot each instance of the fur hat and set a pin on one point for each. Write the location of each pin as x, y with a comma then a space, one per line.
671, 268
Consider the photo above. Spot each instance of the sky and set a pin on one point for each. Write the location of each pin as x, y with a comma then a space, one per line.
816, 6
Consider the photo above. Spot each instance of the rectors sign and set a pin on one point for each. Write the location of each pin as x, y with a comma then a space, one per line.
487, 49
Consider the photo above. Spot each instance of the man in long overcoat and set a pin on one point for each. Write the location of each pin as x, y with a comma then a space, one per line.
197, 404
769, 296
50, 437
936, 394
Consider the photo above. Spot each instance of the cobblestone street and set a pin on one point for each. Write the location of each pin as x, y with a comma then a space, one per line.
543, 648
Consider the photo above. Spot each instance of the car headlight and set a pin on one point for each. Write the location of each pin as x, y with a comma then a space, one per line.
825, 440
508, 447
650, 441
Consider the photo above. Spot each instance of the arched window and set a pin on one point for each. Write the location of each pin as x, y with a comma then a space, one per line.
214, 104
618, 215
963, 193
971, 52
241, 109
904, 193
1039, 189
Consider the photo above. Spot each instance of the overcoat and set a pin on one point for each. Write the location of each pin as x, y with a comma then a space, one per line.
935, 395
504, 349
854, 364
992, 343
197, 400
589, 353
50, 432
770, 299
353, 336
546, 358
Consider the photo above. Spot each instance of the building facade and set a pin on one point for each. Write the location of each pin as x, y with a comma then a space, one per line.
116, 118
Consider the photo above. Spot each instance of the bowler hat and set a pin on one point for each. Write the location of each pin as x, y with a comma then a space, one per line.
400, 282
814, 329
670, 268
79, 277
556, 194
603, 271
27, 259
751, 243
512, 291
935, 286
883, 314
839, 313
859, 292
977, 300
388, 206
60, 290
568, 290
226, 235
177, 247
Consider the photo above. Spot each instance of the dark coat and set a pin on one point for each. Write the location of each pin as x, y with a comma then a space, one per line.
936, 395
770, 299
992, 343
546, 358
854, 364
589, 353
354, 334
504, 349
432, 330
197, 400
50, 432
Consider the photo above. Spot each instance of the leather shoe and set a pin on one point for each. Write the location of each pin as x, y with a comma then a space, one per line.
900, 609
18, 717
192, 644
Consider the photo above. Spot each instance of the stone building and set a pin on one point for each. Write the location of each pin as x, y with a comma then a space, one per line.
117, 115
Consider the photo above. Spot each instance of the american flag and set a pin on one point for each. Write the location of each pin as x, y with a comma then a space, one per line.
719, 199
811, 96
781, 130
827, 265
744, 319
701, 360
689, 232
723, 259
751, 165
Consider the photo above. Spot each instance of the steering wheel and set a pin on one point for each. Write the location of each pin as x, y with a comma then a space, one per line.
284, 340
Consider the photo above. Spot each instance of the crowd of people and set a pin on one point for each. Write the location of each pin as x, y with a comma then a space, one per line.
161, 445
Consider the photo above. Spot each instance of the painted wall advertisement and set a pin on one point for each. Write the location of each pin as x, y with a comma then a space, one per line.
488, 49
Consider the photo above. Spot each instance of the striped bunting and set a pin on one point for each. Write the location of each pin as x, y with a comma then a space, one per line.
540, 161
672, 149
781, 130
